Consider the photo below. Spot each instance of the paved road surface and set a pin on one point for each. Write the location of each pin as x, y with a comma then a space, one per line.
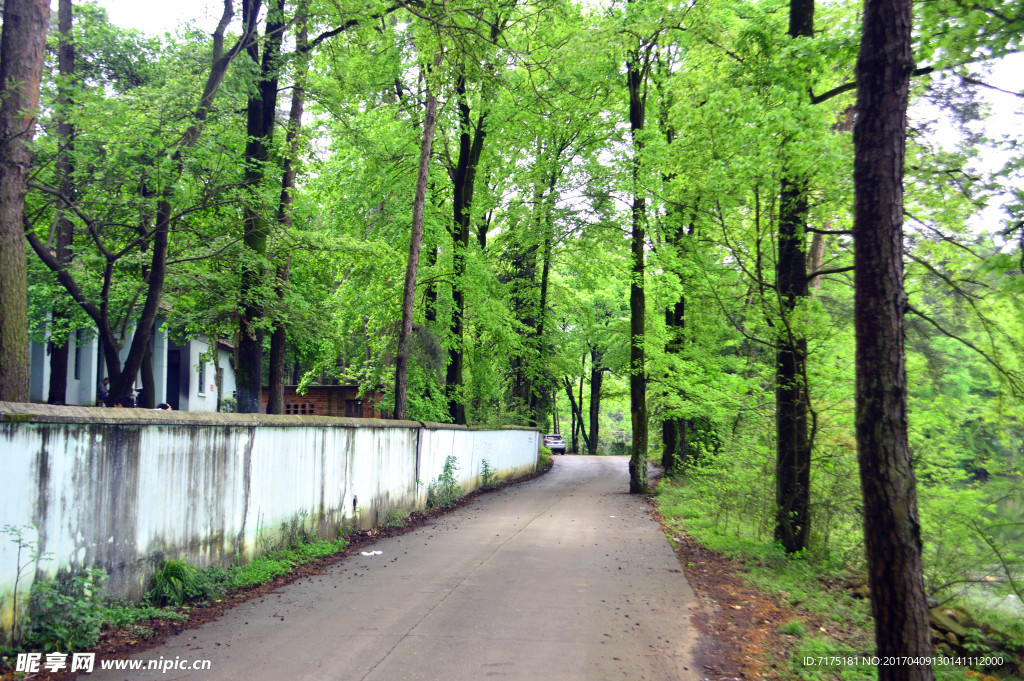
562, 577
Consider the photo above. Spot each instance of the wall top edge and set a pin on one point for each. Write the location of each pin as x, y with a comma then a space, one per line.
23, 412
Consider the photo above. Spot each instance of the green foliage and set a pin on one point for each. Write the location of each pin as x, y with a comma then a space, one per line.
445, 490
66, 615
177, 582
488, 476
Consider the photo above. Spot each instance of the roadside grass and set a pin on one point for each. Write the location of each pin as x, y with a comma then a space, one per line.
842, 623
267, 567
827, 622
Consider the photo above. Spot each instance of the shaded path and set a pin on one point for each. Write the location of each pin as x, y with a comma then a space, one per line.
562, 577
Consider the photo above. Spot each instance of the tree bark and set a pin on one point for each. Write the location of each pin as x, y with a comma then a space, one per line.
256, 226
279, 337
60, 353
471, 141
891, 526
638, 484
793, 450
22, 46
792, 444
596, 377
415, 240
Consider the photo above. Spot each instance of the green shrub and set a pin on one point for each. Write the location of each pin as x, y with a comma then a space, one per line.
488, 476
178, 582
66, 615
445, 491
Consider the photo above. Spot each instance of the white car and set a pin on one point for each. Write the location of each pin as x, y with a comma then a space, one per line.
555, 443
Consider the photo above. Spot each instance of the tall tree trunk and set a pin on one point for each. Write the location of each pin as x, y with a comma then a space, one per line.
279, 337
148, 380
582, 422
470, 145
635, 81
815, 259
278, 344
59, 353
412, 264
543, 384
891, 527
525, 307
596, 377
471, 140
792, 444
21, 63
793, 450
256, 227
577, 414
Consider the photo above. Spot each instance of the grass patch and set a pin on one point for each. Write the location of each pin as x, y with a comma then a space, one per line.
795, 628
395, 519
280, 562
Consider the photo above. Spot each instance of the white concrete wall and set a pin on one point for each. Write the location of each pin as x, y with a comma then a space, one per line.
123, 489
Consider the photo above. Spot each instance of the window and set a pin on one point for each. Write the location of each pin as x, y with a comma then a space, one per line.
291, 408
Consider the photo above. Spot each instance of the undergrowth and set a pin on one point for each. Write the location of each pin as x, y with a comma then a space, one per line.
543, 458
445, 491
280, 562
801, 582
395, 519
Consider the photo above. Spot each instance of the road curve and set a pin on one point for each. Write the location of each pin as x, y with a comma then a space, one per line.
563, 577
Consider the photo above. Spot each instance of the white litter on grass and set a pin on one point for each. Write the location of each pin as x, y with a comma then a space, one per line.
372, 553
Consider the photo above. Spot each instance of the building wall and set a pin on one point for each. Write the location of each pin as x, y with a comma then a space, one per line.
122, 489
327, 400
82, 373
91, 368
198, 388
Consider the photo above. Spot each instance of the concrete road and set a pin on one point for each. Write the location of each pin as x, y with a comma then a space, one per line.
563, 577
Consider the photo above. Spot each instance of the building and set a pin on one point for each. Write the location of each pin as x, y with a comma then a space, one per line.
181, 377
331, 400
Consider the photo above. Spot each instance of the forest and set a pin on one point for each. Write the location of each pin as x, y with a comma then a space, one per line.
630, 222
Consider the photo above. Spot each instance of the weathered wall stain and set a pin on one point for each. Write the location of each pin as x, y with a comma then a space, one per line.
122, 490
